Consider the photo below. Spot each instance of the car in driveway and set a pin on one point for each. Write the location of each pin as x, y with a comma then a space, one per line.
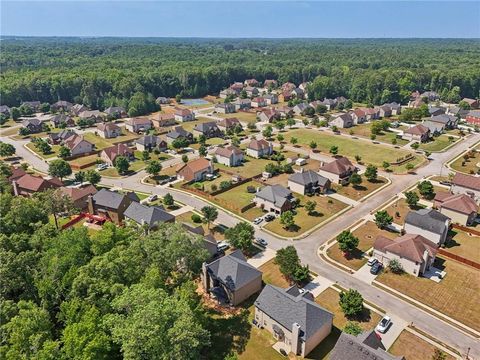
257, 220
223, 245
375, 269
269, 217
372, 261
261, 242
384, 324
102, 166
152, 198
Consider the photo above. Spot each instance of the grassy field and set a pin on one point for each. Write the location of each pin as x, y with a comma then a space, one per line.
399, 209
370, 153
249, 168
238, 196
362, 190
52, 154
457, 295
468, 166
84, 160
463, 244
366, 233
101, 143
437, 144
363, 130
189, 125
242, 116
413, 348
326, 208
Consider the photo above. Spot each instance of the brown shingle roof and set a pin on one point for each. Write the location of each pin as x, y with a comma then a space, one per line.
196, 165
138, 121
34, 183
228, 151
107, 127
460, 203
117, 150
468, 181
182, 112
78, 193
258, 144
339, 166
409, 246
229, 122
417, 130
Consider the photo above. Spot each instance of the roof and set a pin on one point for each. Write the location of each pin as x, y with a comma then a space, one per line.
228, 122
233, 270
206, 127
408, 246
17, 172
366, 346
147, 140
259, 144
117, 150
474, 113
108, 127
228, 151
177, 132
90, 113
182, 112
164, 117
419, 129
444, 118
196, 165
112, 199
345, 117
461, 203
59, 118
308, 177
339, 166
32, 121
147, 214
138, 121
78, 193
289, 306
276, 194
114, 110
467, 181
270, 113
428, 219
34, 183
73, 141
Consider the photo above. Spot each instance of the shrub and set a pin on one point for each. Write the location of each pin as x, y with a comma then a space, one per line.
197, 219
395, 266
251, 189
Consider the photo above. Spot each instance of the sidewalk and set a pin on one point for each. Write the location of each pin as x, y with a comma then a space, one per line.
343, 199
262, 257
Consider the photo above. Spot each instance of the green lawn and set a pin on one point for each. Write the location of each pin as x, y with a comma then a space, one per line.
363, 130
85, 160
136, 165
370, 153
101, 143
249, 168
242, 116
238, 196
189, 125
437, 144
468, 166
53, 153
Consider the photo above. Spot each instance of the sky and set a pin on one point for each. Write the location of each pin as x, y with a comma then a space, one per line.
228, 18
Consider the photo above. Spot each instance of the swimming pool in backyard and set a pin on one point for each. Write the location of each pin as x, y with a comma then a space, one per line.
193, 102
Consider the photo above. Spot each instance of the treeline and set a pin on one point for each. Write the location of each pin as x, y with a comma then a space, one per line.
108, 71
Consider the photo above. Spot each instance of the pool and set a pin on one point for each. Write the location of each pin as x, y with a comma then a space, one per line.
194, 102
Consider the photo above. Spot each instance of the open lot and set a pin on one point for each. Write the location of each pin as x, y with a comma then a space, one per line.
399, 209
457, 295
136, 165
468, 166
412, 347
101, 143
363, 130
438, 144
370, 153
463, 244
360, 191
50, 155
366, 233
238, 196
249, 168
245, 117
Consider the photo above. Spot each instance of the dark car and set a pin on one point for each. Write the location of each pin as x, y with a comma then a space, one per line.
269, 217
375, 268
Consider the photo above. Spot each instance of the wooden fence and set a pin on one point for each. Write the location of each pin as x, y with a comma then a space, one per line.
459, 258
466, 229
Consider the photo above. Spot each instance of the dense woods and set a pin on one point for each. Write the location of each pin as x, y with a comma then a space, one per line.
110, 71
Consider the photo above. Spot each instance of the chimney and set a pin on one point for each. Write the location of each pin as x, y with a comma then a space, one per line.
295, 338
301, 170
15, 187
205, 278
321, 163
91, 209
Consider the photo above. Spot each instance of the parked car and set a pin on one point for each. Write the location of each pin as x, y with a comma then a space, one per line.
375, 269
261, 242
223, 245
372, 261
384, 324
164, 181
152, 198
257, 220
269, 217
102, 166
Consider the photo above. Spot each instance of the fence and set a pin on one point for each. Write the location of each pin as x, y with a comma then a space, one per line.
73, 221
466, 229
459, 258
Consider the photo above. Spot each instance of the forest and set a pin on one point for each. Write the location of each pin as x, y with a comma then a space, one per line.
100, 72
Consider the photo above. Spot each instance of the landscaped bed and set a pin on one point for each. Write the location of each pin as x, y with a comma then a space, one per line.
360, 191
412, 347
457, 295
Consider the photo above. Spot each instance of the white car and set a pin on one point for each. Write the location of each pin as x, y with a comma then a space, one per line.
384, 324
102, 166
372, 261
261, 242
152, 198
257, 220
222, 246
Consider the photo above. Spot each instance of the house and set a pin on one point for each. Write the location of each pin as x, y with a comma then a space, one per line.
418, 132
288, 86
269, 115
163, 120
274, 198
251, 82
109, 154
303, 86
108, 130
434, 127
466, 184
457, 111
285, 112
460, 208
429, 223
78, 108
286, 96
434, 110
237, 87
269, 84
60, 137
448, 121
396, 108
414, 252
359, 116
231, 279
136, 125
209, 129
149, 142
298, 93
228, 124
372, 113
150, 216
259, 148
299, 109
79, 195
195, 170
430, 95
17, 173
385, 111
251, 91
78, 145
33, 125
242, 104
229, 156
225, 108
161, 100
342, 120
258, 102
34, 105
27, 185
365, 346
110, 205
330, 104
227, 93
62, 120
5, 110
271, 99
308, 182
184, 115
338, 171
61, 105
179, 132
94, 115
293, 317
474, 103
473, 117
115, 112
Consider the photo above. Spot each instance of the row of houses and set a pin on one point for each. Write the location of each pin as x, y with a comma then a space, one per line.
363, 114
433, 126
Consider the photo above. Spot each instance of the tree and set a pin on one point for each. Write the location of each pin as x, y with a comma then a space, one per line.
180, 143
412, 198
394, 141
309, 111
351, 303
45, 107
240, 236
93, 177
122, 164
321, 109
313, 145
353, 328
56, 202
178, 98
15, 113
383, 219
347, 242
358, 158
291, 122
335, 128
334, 150
425, 188
427, 153
202, 151
80, 176
64, 152
153, 168
267, 131
415, 145
145, 155
280, 137
6, 149
385, 165
43, 146
355, 180
310, 206
59, 168
185, 158
371, 173
288, 261
373, 137
168, 200
287, 219
293, 141
210, 214
409, 167
202, 139
395, 266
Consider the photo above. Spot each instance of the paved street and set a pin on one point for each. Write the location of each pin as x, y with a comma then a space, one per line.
308, 246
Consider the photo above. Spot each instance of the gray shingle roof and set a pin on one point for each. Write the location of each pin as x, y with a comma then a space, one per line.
147, 214
427, 219
233, 270
206, 127
112, 199
444, 118
288, 307
275, 194
308, 177
148, 140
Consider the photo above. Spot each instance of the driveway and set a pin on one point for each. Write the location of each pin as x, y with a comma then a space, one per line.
364, 275
262, 257
398, 324
318, 285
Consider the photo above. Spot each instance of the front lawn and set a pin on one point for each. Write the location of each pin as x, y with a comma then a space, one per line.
468, 166
136, 165
463, 244
457, 295
360, 191
101, 143
366, 233
271, 275
250, 167
438, 143
326, 208
399, 209
51, 154
412, 347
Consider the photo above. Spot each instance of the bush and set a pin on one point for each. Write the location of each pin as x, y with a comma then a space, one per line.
353, 328
213, 188
251, 189
395, 266
197, 219
225, 185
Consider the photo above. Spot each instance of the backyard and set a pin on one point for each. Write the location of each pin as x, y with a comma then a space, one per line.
364, 131
457, 295
360, 191
463, 244
413, 347
245, 117
250, 167
101, 143
399, 209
